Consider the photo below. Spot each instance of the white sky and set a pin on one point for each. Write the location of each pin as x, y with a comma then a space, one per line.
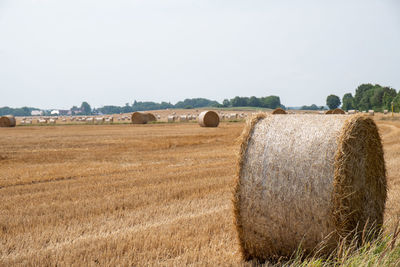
58, 53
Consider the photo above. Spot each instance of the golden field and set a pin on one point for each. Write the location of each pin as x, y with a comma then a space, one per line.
130, 195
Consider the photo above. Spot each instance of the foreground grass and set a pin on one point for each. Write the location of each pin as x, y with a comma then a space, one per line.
383, 251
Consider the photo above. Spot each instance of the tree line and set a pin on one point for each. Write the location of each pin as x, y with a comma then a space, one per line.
271, 102
24, 111
367, 97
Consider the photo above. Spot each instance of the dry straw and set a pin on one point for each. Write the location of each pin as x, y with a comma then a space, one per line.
338, 111
142, 118
208, 119
279, 111
8, 121
306, 179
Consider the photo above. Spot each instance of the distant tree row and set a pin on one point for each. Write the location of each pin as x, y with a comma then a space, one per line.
24, 111
312, 107
265, 102
85, 109
367, 97
271, 102
138, 105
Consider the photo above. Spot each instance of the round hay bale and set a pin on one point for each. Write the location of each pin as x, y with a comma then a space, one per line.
338, 111
307, 180
183, 118
371, 112
171, 118
208, 119
279, 111
328, 112
8, 121
142, 118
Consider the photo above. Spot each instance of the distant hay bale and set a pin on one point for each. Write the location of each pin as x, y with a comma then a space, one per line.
233, 116
100, 120
371, 112
338, 111
328, 112
171, 118
142, 118
385, 111
294, 188
8, 121
208, 119
183, 118
279, 111
352, 111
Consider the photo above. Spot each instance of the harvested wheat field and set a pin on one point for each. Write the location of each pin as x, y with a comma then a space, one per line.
158, 194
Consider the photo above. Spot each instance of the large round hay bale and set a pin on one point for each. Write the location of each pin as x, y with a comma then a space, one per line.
142, 118
305, 179
279, 111
208, 119
338, 111
8, 121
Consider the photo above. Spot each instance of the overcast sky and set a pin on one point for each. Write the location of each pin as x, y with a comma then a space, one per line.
58, 53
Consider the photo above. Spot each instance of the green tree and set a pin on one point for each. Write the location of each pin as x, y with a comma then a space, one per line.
312, 107
239, 101
333, 101
360, 96
226, 103
347, 102
388, 97
254, 102
127, 108
86, 109
270, 102
396, 103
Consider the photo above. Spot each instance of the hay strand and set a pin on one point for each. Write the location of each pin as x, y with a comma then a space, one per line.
295, 188
8, 121
208, 119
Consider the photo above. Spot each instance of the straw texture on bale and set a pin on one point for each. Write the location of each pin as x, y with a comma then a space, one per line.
208, 119
142, 118
7, 121
338, 111
279, 111
307, 180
